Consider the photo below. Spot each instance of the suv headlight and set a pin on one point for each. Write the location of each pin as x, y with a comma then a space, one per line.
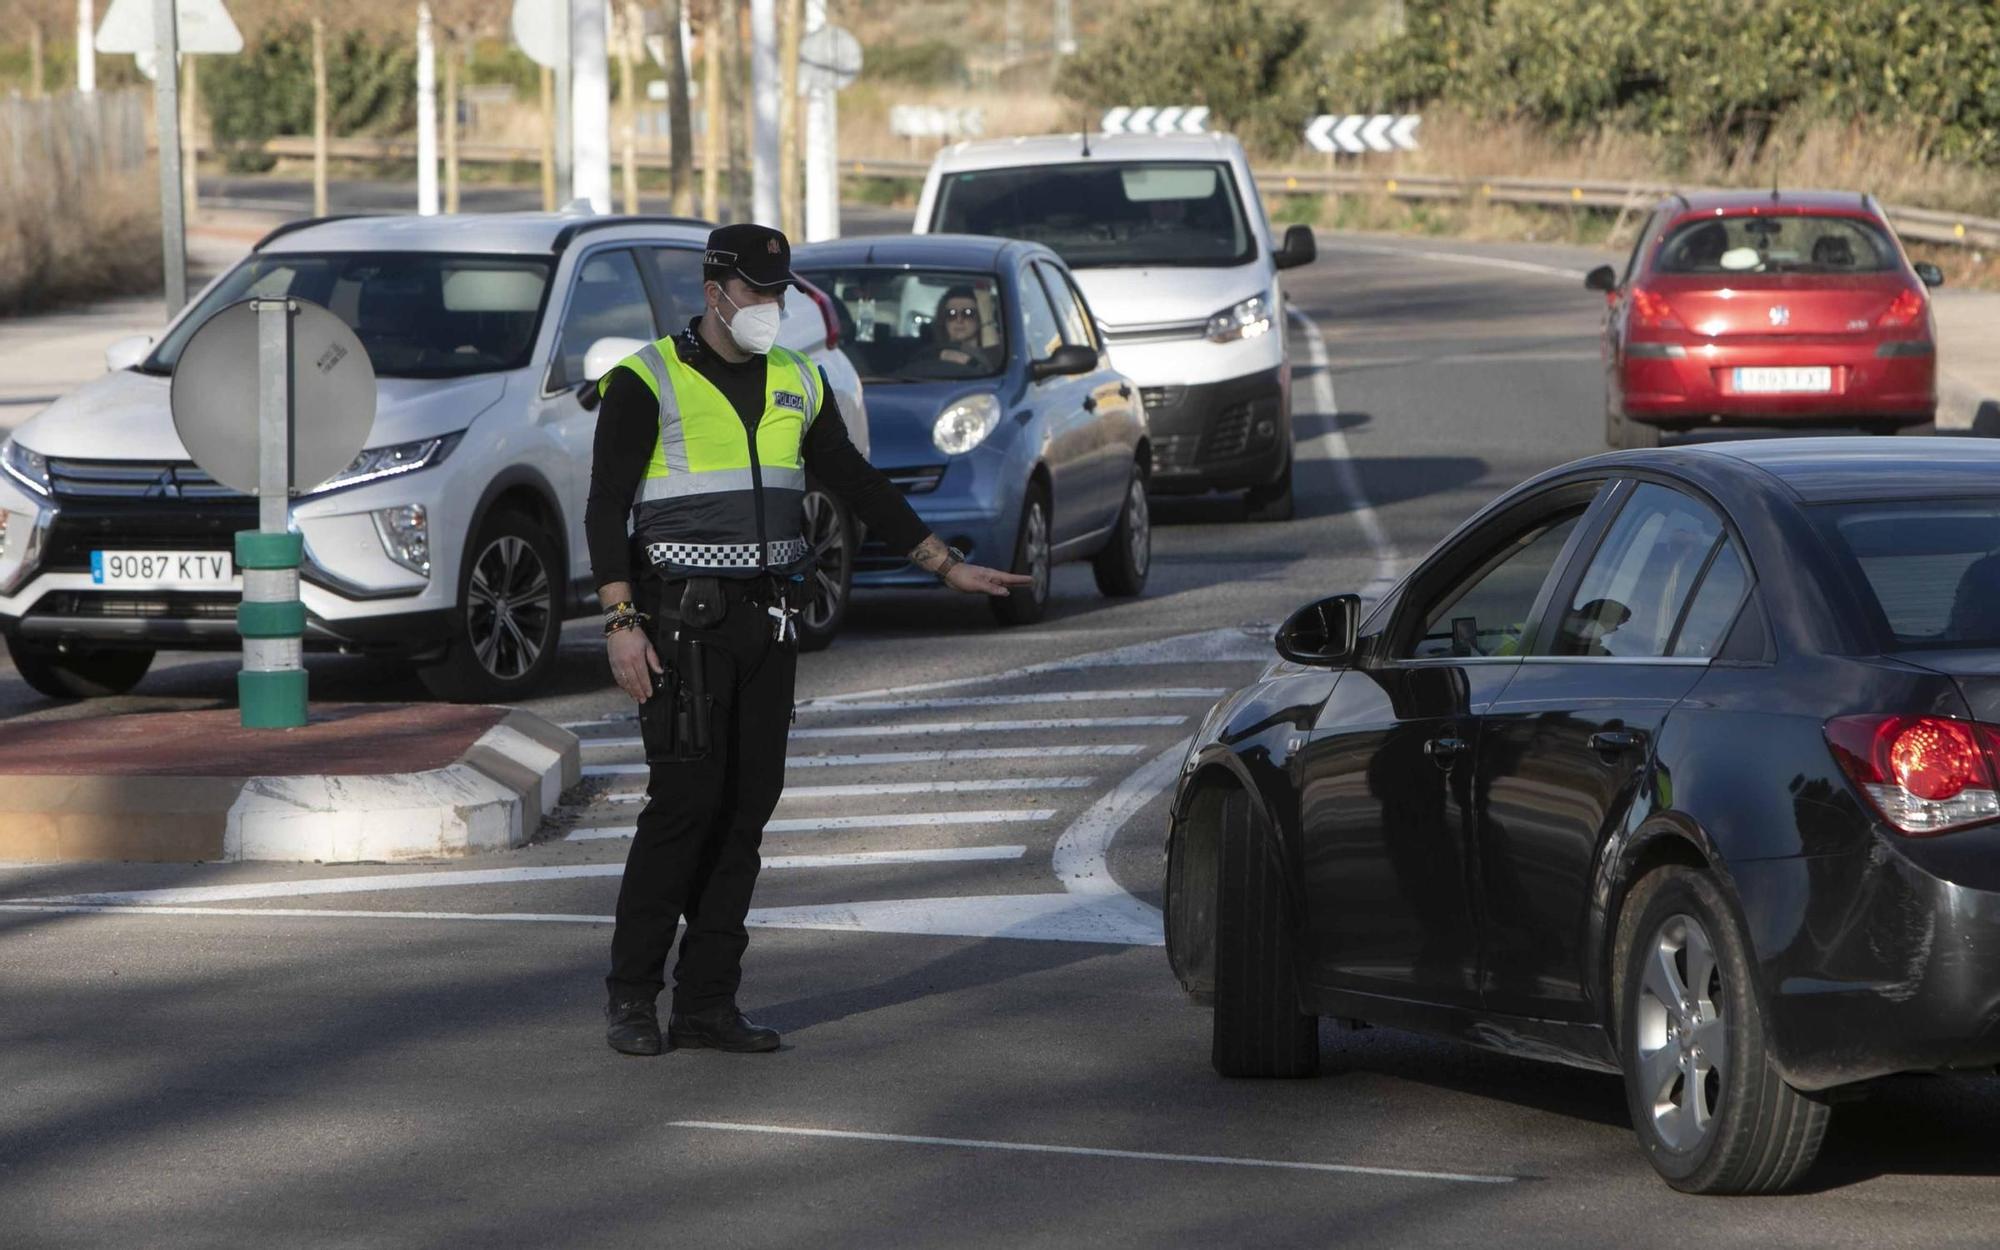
965, 423
30, 468
1246, 320
381, 462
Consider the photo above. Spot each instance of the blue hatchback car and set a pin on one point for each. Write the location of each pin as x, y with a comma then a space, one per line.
993, 404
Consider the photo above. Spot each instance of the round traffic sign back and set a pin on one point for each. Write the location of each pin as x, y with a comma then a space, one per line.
829, 57
215, 396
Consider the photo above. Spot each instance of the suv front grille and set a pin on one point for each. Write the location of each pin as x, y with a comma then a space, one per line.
179, 606
86, 525
135, 479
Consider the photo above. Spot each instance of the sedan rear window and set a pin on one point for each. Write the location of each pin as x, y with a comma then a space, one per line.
1933, 568
1789, 244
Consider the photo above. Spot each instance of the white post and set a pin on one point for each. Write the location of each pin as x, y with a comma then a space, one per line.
427, 121
565, 155
86, 46
590, 105
822, 149
764, 112
167, 122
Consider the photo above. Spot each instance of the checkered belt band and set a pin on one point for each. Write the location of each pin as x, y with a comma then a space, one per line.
726, 555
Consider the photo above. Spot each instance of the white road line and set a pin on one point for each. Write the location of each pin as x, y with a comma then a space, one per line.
925, 729
1080, 856
827, 824
960, 755
133, 900
1098, 1152
1460, 258
1342, 459
1007, 700
970, 785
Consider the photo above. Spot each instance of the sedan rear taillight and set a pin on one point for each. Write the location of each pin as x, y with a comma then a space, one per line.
1650, 311
1924, 774
1903, 311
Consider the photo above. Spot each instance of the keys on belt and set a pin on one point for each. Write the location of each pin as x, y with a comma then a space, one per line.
783, 627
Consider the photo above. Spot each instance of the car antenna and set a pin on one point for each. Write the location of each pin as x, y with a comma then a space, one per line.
1084, 132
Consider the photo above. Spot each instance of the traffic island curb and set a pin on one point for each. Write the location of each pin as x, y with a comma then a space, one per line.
356, 783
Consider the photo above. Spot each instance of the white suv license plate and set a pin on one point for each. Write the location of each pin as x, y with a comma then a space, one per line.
163, 570
1799, 380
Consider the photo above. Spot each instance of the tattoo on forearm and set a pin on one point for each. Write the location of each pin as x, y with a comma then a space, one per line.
929, 554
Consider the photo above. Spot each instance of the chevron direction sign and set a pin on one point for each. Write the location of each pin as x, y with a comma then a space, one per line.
1172, 120
1362, 132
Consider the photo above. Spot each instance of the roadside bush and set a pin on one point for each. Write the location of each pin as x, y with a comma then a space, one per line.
267, 90
930, 63
107, 244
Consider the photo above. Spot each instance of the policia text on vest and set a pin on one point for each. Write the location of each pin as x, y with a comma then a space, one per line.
703, 443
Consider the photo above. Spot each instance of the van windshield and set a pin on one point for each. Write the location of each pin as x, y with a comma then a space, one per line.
1104, 213
418, 315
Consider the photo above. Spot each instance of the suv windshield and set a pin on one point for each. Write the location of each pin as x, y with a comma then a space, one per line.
418, 315
1105, 213
1801, 244
1934, 568
910, 325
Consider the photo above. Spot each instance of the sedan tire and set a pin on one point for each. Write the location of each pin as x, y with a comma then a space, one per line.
508, 621
1033, 557
1712, 1114
1259, 1029
1122, 566
1275, 501
1622, 433
829, 585
77, 673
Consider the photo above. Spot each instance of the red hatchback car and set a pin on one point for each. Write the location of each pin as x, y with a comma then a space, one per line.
1771, 309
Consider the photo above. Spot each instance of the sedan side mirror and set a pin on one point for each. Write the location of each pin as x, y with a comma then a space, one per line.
1931, 274
1603, 278
1067, 359
1322, 634
127, 352
1300, 248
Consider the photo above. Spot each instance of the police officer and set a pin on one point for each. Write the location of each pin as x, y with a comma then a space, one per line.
704, 439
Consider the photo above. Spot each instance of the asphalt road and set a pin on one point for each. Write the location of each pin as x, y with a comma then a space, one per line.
983, 1046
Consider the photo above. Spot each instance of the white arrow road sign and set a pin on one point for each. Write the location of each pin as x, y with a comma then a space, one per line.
1195, 120
200, 26
1175, 119
1362, 132
1141, 121
1114, 120
1168, 119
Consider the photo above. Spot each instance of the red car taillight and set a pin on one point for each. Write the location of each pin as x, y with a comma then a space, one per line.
1651, 312
824, 303
1904, 310
1925, 774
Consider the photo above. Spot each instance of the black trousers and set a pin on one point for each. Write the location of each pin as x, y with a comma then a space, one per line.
695, 852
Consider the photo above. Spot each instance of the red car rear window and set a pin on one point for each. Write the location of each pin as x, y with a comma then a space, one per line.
1760, 244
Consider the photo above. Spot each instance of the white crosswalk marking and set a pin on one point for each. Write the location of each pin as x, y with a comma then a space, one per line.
946, 703
899, 759
969, 785
825, 824
924, 729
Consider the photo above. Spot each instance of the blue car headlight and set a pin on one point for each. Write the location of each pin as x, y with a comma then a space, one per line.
965, 423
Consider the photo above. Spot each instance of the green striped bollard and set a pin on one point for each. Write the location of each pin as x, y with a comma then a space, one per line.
271, 688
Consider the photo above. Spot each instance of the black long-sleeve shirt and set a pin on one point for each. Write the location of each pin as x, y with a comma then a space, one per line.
628, 429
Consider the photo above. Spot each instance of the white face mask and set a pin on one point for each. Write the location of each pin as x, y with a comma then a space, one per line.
754, 328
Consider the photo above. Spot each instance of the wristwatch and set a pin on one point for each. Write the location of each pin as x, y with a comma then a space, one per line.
953, 557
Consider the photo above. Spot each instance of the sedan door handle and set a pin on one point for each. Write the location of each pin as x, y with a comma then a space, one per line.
1443, 750
1611, 741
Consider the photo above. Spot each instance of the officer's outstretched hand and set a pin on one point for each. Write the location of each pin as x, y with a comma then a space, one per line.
976, 579
633, 662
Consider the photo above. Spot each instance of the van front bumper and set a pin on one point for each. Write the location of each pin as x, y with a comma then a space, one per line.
1228, 435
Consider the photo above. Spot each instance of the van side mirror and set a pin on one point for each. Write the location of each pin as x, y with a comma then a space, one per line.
1300, 248
1067, 359
1321, 634
1603, 278
127, 352
1929, 273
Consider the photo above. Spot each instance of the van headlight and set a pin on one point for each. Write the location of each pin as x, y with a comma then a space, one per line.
1246, 320
30, 468
381, 462
965, 423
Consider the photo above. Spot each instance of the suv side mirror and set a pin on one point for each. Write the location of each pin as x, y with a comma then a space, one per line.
1603, 278
1929, 273
127, 352
604, 355
1321, 634
1300, 248
1067, 359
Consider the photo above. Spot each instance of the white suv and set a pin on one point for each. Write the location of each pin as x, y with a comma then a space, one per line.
456, 539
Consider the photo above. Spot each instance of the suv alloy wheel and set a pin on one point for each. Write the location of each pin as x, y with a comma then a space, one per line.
507, 621
829, 531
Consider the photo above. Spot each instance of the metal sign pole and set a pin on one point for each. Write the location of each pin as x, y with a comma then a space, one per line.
167, 119
271, 688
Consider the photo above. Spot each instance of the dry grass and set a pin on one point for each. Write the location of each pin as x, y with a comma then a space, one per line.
106, 242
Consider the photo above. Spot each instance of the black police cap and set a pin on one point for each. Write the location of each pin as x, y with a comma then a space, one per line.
757, 254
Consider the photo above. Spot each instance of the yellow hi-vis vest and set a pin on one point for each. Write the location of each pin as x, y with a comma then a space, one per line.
716, 500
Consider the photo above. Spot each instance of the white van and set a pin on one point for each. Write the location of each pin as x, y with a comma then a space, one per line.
1168, 238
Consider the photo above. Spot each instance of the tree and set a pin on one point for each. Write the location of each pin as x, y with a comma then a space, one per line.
680, 128
460, 24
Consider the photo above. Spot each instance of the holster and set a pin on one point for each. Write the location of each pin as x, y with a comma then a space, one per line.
675, 723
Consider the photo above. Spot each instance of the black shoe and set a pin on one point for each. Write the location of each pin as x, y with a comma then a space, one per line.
722, 1028
633, 1026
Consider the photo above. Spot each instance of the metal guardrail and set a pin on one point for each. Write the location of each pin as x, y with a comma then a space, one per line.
1922, 224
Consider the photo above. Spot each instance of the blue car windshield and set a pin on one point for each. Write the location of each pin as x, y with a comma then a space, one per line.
418, 315
1152, 213
1933, 567
917, 325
